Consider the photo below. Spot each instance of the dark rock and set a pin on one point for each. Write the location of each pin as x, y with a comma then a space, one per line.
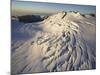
93, 15
30, 18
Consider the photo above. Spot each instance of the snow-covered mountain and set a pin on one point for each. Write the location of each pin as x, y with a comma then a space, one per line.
62, 42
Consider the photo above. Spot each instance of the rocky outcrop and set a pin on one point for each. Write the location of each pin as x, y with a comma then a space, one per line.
30, 18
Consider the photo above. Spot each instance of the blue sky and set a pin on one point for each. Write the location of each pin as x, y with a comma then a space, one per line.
28, 7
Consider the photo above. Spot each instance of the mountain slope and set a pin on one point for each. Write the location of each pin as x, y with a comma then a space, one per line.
62, 42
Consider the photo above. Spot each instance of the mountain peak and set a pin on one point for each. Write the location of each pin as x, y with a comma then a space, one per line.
60, 22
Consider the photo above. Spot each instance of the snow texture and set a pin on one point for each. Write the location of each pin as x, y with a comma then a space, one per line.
62, 42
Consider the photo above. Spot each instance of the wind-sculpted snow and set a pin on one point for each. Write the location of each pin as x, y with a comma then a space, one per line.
61, 44
68, 51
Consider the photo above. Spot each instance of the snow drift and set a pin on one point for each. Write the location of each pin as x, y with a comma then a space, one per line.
62, 42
